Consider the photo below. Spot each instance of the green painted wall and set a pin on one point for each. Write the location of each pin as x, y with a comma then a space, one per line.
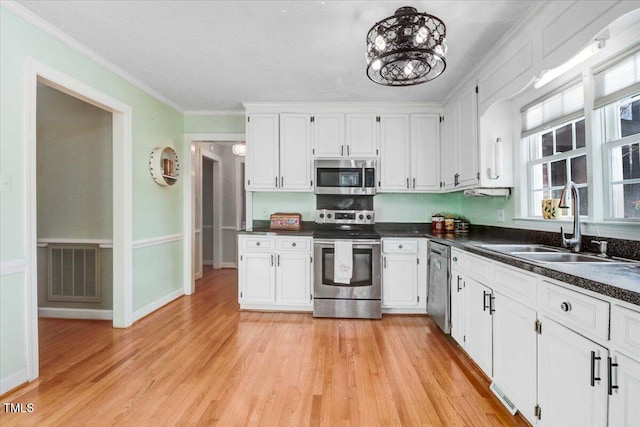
157, 211
217, 124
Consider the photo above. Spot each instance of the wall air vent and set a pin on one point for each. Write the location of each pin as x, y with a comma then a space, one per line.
73, 273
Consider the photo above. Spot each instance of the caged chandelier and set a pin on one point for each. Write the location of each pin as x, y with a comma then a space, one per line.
406, 49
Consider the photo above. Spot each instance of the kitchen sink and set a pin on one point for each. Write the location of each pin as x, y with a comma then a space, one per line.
560, 257
510, 248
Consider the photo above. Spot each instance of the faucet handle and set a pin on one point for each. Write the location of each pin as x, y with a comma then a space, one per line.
563, 238
602, 245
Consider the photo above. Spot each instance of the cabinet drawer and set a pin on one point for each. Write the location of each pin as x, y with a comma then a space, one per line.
298, 244
574, 309
625, 328
515, 284
404, 246
457, 257
257, 243
477, 268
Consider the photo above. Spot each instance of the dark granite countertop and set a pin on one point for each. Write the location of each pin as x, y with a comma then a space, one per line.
620, 281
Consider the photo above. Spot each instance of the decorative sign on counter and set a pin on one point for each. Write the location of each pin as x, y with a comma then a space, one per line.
285, 221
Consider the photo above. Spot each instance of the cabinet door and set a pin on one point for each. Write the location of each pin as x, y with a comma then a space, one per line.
457, 307
293, 279
514, 353
565, 394
478, 327
449, 148
624, 409
399, 280
362, 135
394, 153
295, 152
256, 277
468, 166
263, 152
328, 135
425, 152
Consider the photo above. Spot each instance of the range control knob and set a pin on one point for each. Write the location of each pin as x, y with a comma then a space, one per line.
321, 215
360, 216
328, 215
368, 216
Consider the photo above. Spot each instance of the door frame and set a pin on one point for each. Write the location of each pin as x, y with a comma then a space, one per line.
188, 213
122, 197
217, 207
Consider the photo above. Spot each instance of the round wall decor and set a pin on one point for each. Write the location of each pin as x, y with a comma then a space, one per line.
164, 165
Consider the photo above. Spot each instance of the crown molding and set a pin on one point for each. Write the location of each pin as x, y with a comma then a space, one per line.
343, 107
214, 113
38, 22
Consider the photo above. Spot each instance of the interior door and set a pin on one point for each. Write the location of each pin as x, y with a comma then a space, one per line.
196, 212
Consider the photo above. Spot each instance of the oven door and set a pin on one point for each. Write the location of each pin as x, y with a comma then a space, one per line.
365, 282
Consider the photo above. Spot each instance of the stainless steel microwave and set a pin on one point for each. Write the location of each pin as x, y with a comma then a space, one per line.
351, 177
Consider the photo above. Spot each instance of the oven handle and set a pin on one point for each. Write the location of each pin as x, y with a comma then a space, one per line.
360, 243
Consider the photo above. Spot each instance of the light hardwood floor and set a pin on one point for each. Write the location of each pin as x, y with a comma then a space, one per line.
200, 361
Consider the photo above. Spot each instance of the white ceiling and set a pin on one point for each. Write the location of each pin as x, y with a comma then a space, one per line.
213, 55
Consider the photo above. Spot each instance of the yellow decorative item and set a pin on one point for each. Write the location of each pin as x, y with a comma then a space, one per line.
550, 209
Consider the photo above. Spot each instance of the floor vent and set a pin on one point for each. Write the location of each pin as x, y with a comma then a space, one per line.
74, 273
503, 398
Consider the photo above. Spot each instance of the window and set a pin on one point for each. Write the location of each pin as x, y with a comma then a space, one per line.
622, 158
558, 155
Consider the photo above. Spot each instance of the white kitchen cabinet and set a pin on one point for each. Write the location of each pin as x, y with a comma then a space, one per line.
295, 152
514, 353
478, 324
395, 153
361, 135
624, 402
409, 152
572, 378
460, 167
263, 155
256, 277
275, 272
293, 278
404, 275
279, 152
328, 135
457, 297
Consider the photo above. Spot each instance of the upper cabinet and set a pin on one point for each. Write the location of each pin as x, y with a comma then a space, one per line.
345, 135
460, 168
409, 152
279, 152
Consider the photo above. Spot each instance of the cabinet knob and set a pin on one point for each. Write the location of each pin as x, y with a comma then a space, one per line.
293, 244
565, 306
455, 259
258, 244
400, 246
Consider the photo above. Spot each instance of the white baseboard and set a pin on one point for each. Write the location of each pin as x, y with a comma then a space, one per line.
75, 313
14, 380
153, 306
228, 265
207, 262
408, 310
276, 308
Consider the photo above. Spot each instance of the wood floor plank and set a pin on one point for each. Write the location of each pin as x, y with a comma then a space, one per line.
201, 361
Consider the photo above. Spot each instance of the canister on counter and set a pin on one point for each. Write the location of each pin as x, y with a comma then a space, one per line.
457, 225
437, 223
449, 224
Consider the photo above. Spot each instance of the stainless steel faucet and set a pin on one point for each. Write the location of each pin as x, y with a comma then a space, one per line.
575, 242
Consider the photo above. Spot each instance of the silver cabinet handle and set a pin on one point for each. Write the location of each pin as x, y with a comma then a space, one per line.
342, 150
348, 151
407, 182
565, 306
414, 183
278, 260
458, 284
281, 181
276, 182
384, 262
271, 260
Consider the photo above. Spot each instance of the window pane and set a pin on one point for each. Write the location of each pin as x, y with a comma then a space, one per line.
537, 203
564, 139
630, 117
547, 144
558, 173
631, 161
626, 201
584, 201
579, 169
580, 140
539, 176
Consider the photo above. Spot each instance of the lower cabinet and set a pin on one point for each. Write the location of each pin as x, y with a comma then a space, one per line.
275, 272
478, 319
514, 353
572, 378
624, 401
404, 281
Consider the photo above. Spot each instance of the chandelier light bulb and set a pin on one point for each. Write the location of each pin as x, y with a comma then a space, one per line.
381, 44
408, 69
377, 64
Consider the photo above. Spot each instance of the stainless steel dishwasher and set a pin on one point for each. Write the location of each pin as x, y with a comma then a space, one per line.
438, 287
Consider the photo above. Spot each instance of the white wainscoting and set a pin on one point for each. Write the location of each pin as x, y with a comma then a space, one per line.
160, 240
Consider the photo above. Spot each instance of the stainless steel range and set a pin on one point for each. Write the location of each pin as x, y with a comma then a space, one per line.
360, 296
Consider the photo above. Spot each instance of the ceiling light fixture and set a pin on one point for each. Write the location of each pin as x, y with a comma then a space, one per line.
406, 49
